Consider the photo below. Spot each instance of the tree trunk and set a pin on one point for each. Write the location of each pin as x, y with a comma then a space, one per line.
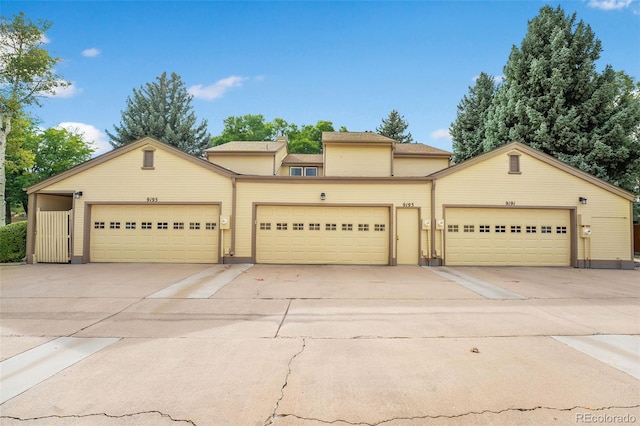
7, 212
5, 128
3, 186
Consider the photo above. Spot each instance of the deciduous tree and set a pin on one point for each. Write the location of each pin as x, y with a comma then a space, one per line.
249, 127
306, 139
162, 109
35, 155
26, 75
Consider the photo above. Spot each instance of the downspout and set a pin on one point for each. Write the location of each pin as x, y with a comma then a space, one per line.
433, 219
393, 155
233, 216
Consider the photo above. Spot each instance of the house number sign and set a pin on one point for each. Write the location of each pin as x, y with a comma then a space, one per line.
510, 203
152, 199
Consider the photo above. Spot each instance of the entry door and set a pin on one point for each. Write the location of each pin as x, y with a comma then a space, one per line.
408, 242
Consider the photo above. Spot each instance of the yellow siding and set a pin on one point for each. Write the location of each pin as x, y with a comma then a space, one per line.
349, 160
604, 243
279, 157
261, 165
173, 180
308, 192
539, 184
418, 166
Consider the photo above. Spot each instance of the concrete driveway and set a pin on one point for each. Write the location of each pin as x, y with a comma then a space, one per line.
107, 344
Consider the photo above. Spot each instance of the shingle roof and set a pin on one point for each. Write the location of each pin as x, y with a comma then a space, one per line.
355, 137
303, 159
242, 146
419, 148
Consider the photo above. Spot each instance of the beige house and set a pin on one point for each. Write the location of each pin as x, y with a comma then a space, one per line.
365, 200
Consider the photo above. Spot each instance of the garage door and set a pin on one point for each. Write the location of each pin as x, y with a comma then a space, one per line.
154, 233
322, 235
507, 237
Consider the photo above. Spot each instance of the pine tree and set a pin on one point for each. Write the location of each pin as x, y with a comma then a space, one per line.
394, 127
467, 131
554, 100
162, 109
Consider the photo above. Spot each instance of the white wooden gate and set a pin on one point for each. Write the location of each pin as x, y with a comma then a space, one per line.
52, 236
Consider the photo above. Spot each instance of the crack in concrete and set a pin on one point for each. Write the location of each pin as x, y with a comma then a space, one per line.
455, 416
283, 318
273, 415
111, 416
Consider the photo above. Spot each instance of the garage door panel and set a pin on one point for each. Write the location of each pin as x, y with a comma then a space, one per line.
479, 236
155, 233
321, 235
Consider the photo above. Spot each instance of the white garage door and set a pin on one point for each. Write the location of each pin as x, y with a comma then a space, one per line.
154, 233
322, 235
502, 237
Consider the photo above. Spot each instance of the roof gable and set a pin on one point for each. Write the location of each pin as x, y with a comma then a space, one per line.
525, 149
140, 143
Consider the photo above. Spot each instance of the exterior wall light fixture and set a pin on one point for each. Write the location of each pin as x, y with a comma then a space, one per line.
323, 196
78, 194
582, 200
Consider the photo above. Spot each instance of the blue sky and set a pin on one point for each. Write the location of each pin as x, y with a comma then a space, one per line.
346, 62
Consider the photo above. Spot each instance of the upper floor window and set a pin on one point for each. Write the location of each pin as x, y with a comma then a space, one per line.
514, 163
303, 171
147, 158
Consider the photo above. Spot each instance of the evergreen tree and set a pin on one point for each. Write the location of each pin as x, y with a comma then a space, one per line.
162, 109
467, 131
554, 100
394, 127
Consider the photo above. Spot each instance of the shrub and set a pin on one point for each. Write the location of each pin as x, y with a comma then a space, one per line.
13, 242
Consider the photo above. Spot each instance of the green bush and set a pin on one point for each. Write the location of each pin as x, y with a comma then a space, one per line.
13, 242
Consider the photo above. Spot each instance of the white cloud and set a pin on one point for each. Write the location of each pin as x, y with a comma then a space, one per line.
65, 92
90, 53
98, 140
217, 89
440, 134
609, 4
44, 39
